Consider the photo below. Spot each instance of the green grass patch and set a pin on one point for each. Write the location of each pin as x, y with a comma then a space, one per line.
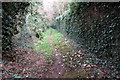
44, 46
58, 41
44, 43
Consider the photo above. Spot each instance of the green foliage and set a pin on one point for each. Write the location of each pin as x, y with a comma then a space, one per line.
11, 11
34, 6
44, 43
38, 23
96, 32
78, 6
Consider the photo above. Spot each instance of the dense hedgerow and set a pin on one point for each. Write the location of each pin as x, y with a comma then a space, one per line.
95, 27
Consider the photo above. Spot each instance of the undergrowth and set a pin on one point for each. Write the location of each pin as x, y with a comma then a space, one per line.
44, 45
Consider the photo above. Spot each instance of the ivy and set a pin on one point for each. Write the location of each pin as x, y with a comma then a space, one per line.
99, 36
11, 11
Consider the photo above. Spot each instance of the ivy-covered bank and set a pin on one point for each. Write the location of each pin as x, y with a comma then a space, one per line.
13, 16
95, 27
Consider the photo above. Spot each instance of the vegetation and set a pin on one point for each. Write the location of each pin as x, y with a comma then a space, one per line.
11, 11
83, 44
43, 45
98, 34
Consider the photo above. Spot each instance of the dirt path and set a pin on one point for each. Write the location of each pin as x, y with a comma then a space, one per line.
57, 70
30, 64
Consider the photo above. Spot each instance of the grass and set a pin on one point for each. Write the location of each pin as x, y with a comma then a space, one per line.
57, 41
44, 45
64, 48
